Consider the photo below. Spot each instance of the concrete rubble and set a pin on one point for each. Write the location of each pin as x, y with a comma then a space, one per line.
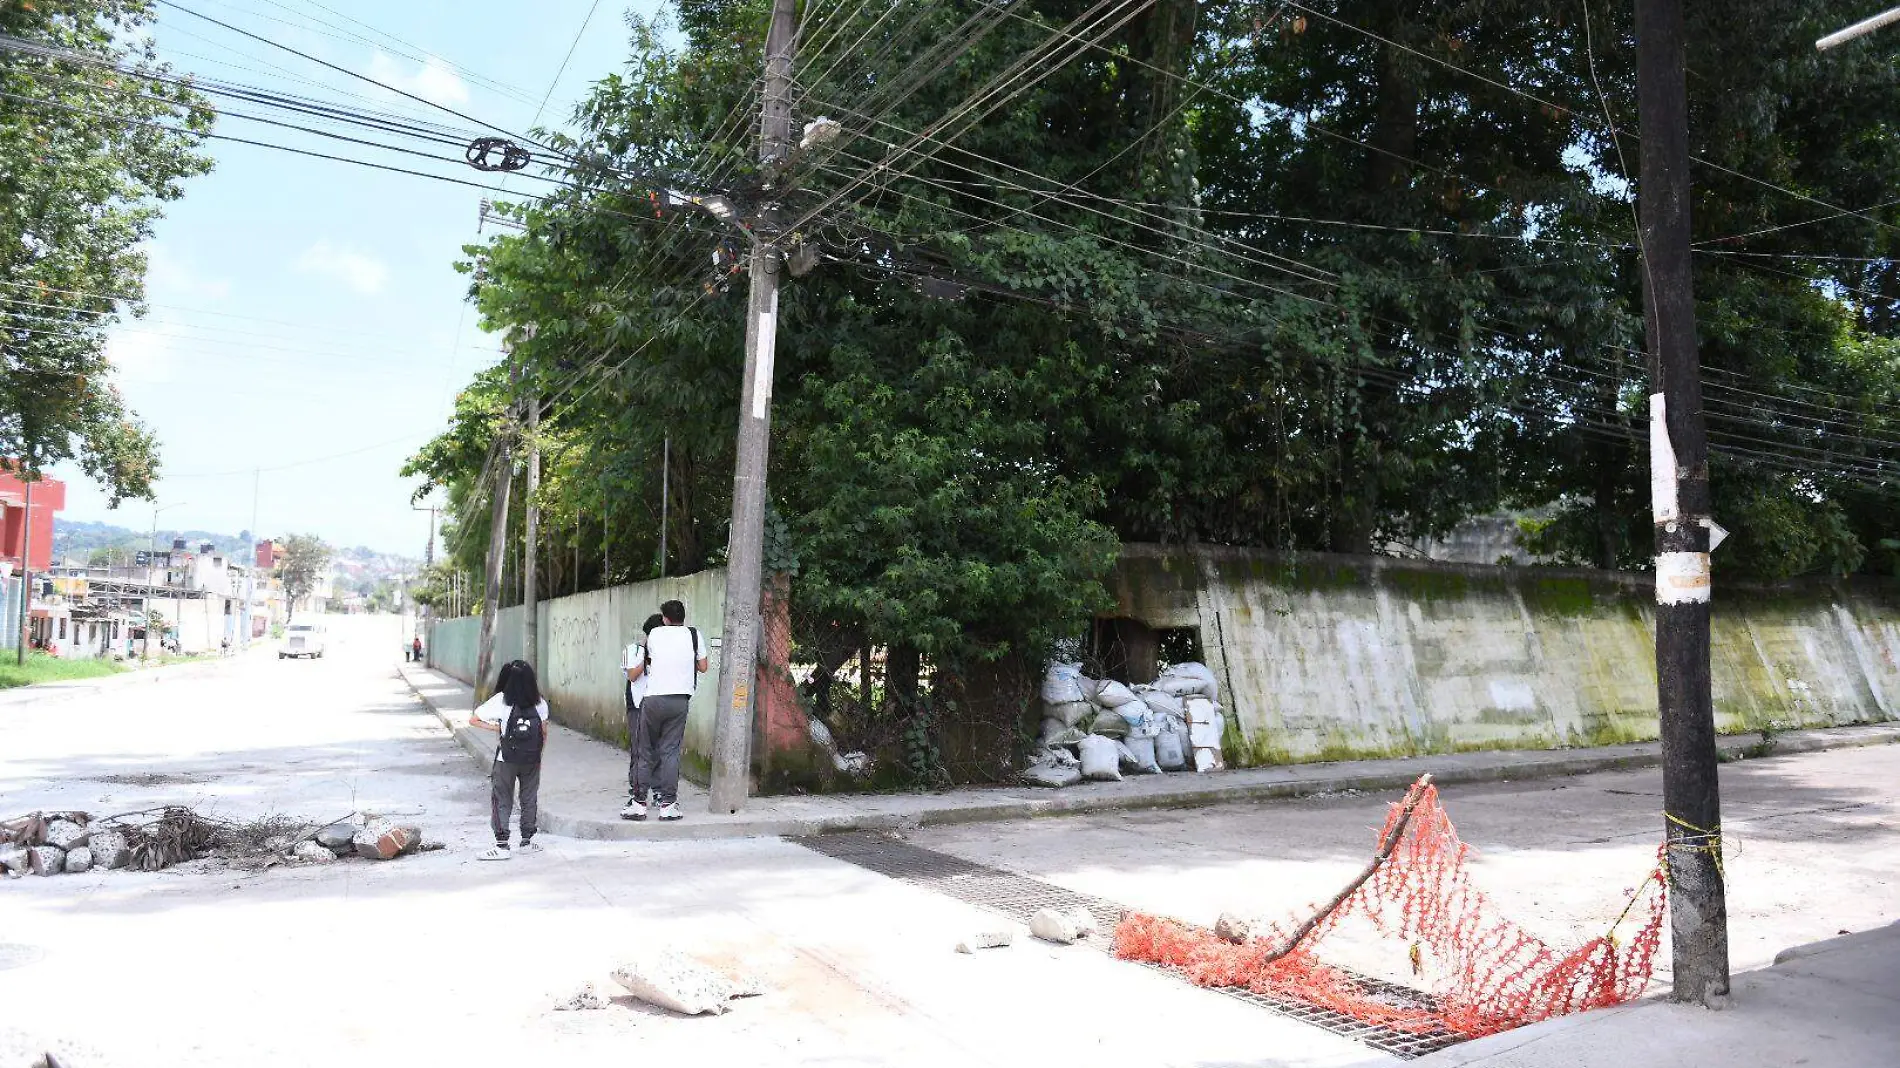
1062, 927
673, 980
990, 939
582, 1000
1233, 927
48, 844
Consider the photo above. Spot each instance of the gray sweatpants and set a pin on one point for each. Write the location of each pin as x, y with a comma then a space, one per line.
636, 751
665, 716
503, 779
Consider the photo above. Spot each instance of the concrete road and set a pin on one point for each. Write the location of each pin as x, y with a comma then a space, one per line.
442, 957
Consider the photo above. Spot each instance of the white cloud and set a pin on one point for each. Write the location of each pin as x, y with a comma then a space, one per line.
169, 277
139, 353
358, 270
432, 81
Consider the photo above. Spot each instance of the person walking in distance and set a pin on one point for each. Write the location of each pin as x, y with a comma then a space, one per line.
633, 664
674, 659
520, 716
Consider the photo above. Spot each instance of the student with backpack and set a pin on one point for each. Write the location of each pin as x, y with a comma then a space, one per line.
674, 658
520, 716
633, 665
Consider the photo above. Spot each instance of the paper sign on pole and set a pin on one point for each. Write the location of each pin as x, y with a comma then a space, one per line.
1662, 463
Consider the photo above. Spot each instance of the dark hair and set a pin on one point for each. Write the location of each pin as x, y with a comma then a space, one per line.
674, 611
654, 620
520, 690
501, 677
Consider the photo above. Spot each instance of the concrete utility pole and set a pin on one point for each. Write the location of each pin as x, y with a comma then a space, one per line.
1679, 489
530, 598
497, 540
26, 571
732, 730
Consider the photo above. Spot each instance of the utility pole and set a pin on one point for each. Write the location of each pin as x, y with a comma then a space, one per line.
666, 494
497, 540
530, 598
1679, 489
26, 570
738, 667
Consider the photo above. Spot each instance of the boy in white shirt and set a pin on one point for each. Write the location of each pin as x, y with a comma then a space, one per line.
675, 657
635, 657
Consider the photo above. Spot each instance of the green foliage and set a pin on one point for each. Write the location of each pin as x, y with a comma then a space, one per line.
40, 667
305, 557
88, 156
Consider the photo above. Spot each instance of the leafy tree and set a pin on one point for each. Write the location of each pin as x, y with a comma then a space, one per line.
91, 144
305, 557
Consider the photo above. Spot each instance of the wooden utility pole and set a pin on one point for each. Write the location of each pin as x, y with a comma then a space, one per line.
732, 729
1679, 490
530, 597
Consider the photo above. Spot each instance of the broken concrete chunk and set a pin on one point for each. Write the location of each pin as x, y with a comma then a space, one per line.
1063, 928
313, 853
386, 842
675, 981
109, 850
996, 939
338, 835
46, 860
581, 1000
1233, 927
13, 859
79, 860
67, 835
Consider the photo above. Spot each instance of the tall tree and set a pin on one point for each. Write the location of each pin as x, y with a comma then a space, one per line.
305, 557
94, 137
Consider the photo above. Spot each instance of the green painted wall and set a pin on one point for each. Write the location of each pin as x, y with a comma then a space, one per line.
1325, 657
581, 641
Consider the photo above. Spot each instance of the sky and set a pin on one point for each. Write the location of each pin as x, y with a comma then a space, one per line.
306, 330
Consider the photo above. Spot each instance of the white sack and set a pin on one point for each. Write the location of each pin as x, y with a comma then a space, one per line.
1169, 753
1101, 759
1069, 712
1113, 694
1193, 670
1138, 755
1060, 685
1160, 702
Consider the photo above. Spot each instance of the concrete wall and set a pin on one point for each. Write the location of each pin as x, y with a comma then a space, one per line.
1324, 657
581, 641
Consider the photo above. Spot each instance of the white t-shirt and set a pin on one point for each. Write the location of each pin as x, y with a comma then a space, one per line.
675, 660
629, 660
495, 710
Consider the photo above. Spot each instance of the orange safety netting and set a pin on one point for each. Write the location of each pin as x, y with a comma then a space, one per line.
1485, 973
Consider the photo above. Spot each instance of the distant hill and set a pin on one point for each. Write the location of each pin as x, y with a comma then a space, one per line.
361, 567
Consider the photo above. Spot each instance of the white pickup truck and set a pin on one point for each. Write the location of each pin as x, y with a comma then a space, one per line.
302, 639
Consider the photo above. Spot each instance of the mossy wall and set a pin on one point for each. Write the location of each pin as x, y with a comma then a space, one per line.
1326, 657
582, 638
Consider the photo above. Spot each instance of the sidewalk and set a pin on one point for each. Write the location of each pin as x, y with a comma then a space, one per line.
586, 781
1832, 1004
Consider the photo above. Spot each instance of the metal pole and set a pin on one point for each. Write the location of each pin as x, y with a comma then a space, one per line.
666, 494
1858, 29
26, 570
1679, 486
732, 727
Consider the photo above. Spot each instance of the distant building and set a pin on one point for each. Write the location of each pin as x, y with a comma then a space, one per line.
26, 544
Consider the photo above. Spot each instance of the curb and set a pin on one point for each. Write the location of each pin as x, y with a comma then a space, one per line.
1190, 794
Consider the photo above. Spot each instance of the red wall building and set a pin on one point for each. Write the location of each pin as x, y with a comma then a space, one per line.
49, 496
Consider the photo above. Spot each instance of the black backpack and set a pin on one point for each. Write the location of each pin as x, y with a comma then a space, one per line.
646, 655
521, 737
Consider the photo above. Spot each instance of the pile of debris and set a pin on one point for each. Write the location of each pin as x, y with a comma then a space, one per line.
55, 843
1101, 729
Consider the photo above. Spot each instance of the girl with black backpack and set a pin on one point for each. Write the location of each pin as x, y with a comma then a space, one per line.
520, 716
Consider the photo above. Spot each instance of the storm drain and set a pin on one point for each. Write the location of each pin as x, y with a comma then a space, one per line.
1020, 897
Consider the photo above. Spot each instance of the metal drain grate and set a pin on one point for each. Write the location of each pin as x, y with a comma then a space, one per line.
1020, 897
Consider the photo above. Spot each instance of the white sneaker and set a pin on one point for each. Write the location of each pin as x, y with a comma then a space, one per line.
671, 811
634, 810
529, 847
499, 852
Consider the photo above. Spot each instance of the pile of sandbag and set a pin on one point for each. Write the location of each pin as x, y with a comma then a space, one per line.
1103, 729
